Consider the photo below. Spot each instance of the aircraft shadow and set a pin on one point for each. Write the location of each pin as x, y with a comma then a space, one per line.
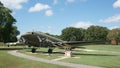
43, 52
13, 48
93, 54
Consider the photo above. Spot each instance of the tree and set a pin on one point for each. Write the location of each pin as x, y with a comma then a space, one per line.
114, 34
6, 24
72, 34
14, 34
96, 33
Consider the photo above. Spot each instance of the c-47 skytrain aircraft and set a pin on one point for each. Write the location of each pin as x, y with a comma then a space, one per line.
39, 39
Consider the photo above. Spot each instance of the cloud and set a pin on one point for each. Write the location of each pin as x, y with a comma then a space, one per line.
117, 4
113, 27
14, 4
39, 7
82, 24
115, 18
49, 13
71, 1
55, 2
83, 0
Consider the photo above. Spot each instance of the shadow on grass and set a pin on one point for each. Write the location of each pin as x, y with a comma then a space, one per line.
93, 54
13, 48
54, 52
43, 52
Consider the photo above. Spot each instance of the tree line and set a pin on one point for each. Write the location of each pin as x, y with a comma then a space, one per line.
92, 33
8, 31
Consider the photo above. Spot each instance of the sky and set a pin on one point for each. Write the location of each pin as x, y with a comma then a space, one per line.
52, 16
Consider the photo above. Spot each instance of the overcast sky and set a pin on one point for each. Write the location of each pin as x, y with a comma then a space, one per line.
54, 15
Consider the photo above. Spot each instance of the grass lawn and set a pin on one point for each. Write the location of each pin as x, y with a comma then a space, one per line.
42, 53
115, 48
9, 61
103, 59
96, 58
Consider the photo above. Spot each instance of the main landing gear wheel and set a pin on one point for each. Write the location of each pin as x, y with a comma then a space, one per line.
33, 50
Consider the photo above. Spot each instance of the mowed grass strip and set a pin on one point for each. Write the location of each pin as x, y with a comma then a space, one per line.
42, 53
96, 59
9, 61
102, 59
115, 48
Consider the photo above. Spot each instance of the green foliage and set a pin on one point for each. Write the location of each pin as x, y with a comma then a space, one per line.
96, 33
114, 34
7, 30
91, 34
72, 34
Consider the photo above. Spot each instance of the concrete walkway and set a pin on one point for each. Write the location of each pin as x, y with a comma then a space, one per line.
72, 65
59, 59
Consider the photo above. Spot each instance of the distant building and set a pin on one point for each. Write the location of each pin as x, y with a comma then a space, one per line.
114, 42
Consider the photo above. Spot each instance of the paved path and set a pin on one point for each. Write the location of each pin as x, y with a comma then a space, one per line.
59, 58
72, 65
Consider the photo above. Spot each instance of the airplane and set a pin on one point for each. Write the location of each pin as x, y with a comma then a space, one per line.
13, 43
40, 39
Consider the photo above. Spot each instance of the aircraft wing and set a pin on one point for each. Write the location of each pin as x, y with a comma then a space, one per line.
40, 39
73, 44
